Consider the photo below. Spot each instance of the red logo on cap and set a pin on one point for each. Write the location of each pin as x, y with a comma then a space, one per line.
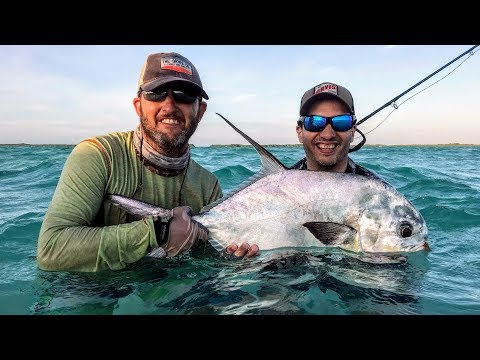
331, 88
175, 64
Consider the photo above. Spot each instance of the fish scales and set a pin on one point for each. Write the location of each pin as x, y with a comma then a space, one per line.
272, 212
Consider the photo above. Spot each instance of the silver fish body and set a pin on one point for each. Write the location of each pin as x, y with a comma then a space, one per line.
297, 208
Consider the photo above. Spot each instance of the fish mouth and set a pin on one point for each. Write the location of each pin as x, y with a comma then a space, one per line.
424, 246
399, 252
420, 247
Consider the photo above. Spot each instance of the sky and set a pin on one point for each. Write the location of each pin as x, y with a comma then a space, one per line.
61, 94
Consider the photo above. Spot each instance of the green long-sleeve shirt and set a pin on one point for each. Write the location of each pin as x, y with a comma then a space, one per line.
82, 231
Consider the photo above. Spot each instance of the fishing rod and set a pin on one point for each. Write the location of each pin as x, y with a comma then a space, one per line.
392, 102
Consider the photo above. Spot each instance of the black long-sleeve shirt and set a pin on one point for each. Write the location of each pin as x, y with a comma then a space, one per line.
352, 168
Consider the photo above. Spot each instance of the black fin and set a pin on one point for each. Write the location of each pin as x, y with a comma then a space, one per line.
330, 233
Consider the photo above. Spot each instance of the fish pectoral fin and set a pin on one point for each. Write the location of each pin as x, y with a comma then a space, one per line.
330, 233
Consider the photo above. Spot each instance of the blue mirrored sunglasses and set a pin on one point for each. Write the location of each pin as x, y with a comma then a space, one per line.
316, 123
179, 96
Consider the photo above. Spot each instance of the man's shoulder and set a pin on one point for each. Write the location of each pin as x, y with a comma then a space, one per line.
195, 167
110, 141
360, 170
299, 165
115, 137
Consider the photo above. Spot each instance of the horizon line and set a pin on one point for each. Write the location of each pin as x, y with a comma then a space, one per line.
249, 145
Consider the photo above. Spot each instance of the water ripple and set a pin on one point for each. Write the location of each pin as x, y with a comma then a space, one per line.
443, 182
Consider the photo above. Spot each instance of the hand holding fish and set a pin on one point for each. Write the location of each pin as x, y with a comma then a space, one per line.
180, 233
244, 250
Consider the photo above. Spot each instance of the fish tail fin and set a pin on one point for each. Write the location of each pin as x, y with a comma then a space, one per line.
139, 208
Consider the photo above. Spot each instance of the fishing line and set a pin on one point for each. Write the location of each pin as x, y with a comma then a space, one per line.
395, 106
392, 102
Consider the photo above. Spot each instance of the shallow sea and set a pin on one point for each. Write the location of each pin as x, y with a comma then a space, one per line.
443, 182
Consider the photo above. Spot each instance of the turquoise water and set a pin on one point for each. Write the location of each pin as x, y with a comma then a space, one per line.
442, 182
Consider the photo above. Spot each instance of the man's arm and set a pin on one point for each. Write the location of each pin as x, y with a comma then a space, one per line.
69, 238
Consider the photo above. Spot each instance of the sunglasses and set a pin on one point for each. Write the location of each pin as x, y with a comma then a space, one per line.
180, 96
316, 123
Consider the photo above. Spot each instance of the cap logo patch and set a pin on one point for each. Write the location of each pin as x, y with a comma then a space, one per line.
175, 64
330, 88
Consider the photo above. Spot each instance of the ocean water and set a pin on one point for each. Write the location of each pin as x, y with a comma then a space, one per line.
443, 182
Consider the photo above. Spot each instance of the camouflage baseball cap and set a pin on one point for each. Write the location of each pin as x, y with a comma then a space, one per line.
169, 68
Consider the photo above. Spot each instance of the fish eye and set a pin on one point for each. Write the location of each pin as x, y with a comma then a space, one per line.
405, 229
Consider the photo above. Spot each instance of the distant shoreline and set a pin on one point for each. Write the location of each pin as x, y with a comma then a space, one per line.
268, 145
366, 145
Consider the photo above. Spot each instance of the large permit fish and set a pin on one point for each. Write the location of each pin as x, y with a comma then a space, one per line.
285, 208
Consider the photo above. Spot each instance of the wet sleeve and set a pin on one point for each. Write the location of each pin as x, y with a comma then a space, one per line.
68, 239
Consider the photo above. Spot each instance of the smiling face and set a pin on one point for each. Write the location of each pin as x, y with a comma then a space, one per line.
326, 150
168, 124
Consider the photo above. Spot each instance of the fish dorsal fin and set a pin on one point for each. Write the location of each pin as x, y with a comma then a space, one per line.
270, 163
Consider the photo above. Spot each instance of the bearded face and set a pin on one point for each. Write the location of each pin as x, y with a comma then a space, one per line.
170, 132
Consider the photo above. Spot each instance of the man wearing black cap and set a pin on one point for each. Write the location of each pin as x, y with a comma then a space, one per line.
326, 128
83, 231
